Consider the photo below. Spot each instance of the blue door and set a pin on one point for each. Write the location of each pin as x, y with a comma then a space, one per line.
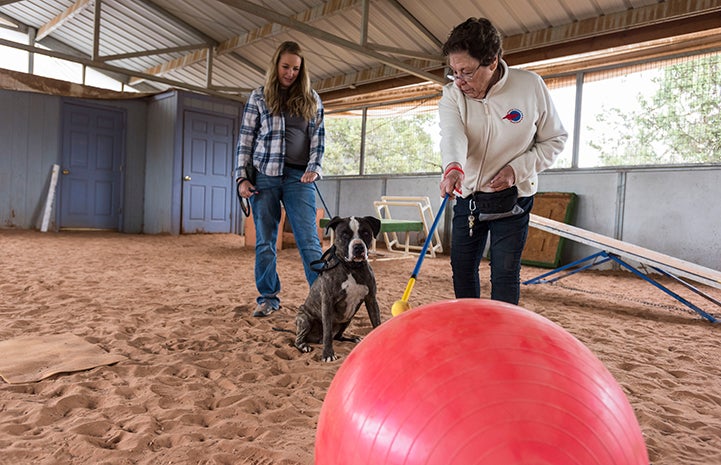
92, 150
207, 166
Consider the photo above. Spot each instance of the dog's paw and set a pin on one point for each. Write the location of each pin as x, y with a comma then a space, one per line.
305, 348
332, 357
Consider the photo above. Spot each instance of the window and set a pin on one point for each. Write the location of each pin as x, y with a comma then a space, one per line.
563, 94
399, 138
47, 66
653, 114
12, 58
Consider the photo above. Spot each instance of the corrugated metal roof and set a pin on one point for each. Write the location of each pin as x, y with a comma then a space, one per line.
165, 43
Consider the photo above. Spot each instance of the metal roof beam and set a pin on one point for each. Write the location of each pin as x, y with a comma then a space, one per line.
174, 19
116, 69
11, 23
62, 18
159, 51
368, 76
273, 16
234, 43
626, 22
420, 26
406, 53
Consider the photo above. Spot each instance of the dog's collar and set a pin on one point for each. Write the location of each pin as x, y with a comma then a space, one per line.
330, 259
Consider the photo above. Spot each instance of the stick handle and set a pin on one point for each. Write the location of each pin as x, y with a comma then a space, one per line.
429, 238
409, 288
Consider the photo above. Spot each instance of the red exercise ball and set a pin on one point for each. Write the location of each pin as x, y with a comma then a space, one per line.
475, 381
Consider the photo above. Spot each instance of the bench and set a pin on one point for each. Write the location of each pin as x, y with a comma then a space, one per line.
388, 226
424, 211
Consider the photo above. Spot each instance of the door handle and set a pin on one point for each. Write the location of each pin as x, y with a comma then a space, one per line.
66, 171
186, 178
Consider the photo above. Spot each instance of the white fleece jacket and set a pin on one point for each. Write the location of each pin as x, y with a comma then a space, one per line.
516, 124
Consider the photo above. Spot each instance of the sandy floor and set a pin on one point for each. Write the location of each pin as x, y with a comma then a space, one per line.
206, 383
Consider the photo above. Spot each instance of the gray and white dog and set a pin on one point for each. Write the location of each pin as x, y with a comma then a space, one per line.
345, 281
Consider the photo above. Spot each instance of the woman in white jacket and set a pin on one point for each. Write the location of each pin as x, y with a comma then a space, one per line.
499, 129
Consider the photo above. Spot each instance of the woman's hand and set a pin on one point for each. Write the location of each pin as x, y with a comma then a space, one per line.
309, 176
452, 180
503, 180
246, 189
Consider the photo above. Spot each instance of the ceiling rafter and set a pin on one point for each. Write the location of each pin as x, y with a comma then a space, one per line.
418, 25
116, 69
626, 21
247, 38
653, 22
158, 51
11, 23
272, 16
62, 18
386, 64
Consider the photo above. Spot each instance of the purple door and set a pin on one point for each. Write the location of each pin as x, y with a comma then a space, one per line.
90, 172
207, 166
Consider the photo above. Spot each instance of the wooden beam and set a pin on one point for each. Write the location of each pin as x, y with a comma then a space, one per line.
62, 18
122, 71
264, 32
158, 51
270, 15
382, 76
659, 25
617, 39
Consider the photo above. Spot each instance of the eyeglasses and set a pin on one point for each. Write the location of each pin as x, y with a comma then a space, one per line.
463, 76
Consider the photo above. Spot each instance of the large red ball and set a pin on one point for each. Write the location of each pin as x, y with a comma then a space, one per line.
475, 381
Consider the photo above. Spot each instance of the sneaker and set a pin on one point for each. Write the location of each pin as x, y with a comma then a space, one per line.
264, 309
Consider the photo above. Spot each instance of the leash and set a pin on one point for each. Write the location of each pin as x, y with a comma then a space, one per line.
245, 203
325, 261
327, 211
330, 260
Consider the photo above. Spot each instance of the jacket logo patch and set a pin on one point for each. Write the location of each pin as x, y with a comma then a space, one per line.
514, 115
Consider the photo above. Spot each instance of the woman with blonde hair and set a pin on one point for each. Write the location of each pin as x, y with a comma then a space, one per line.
282, 137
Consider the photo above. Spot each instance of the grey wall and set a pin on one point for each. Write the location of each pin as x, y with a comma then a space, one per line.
163, 182
674, 211
161, 148
29, 146
30, 143
670, 210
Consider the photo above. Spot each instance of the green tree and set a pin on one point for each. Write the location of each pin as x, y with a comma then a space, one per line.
400, 144
679, 123
342, 145
393, 145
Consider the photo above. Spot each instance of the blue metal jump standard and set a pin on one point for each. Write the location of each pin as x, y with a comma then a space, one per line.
605, 257
614, 249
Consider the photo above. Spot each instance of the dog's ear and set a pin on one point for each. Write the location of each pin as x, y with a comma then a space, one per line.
335, 221
375, 224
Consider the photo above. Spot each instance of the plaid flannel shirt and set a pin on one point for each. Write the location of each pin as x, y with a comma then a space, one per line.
262, 138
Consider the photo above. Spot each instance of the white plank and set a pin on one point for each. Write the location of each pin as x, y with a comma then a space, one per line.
674, 266
50, 199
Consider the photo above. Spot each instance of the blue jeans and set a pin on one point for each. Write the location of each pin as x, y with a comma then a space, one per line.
299, 201
508, 237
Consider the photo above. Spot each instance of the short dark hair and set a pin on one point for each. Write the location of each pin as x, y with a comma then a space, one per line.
476, 36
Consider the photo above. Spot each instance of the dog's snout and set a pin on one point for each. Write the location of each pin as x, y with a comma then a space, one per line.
357, 250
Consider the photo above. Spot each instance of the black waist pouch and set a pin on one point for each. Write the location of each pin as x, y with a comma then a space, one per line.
496, 202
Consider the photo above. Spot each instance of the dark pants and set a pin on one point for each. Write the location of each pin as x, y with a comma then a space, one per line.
507, 239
